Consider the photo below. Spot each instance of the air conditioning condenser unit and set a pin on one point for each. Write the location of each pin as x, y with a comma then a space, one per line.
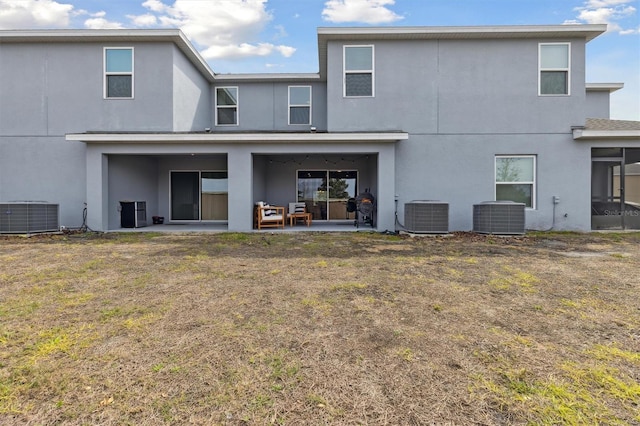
499, 217
426, 217
28, 217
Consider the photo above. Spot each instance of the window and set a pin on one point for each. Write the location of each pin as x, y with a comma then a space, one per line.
515, 179
226, 106
326, 192
299, 104
554, 66
199, 195
118, 72
358, 71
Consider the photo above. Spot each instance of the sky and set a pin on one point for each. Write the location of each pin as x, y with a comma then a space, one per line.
263, 36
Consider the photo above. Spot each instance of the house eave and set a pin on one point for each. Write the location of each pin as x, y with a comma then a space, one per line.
175, 36
249, 78
603, 87
586, 32
589, 135
249, 138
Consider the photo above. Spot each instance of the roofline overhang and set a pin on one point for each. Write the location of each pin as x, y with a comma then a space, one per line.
249, 138
581, 134
250, 78
175, 36
587, 32
603, 87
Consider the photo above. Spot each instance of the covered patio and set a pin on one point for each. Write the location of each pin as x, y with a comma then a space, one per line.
211, 182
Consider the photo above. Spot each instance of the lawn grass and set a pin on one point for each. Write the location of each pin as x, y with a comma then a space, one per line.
319, 328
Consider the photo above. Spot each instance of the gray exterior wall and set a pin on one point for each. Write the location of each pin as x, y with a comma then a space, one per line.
50, 89
53, 89
453, 86
460, 170
462, 102
597, 104
264, 106
191, 96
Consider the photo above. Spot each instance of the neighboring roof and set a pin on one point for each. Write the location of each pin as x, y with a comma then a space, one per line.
600, 128
603, 87
111, 36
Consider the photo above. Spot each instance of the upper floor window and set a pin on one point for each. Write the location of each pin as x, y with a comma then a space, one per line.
516, 179
299, 104
226, 106
358, 70
554, 60
118, 72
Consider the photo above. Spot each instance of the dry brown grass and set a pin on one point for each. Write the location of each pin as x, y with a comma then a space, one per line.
356, 328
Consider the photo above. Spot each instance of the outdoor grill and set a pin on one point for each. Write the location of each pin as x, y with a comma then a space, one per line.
364, 206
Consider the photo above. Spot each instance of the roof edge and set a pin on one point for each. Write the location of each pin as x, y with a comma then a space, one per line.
589, 31
603, 87
256, 137
175, 36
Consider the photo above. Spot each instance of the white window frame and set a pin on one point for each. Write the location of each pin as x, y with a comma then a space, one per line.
371, 71
236, 106
532, 182
300, 106
567, 69
107, 74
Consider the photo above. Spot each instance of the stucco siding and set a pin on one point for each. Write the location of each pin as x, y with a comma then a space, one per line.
265, 106
460, 170
44, 169
53, 89
597, 104
191, 96
132, 178
456, 86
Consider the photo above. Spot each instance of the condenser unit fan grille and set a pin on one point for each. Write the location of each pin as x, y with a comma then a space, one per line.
427, 217
29, 217
499, 217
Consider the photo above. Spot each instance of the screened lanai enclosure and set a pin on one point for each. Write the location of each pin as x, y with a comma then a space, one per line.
615, 188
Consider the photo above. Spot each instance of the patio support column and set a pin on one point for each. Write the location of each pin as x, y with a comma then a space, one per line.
240, 175
97, 189
385, 217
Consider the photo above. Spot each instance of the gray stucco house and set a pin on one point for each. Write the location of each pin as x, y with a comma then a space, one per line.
458, 114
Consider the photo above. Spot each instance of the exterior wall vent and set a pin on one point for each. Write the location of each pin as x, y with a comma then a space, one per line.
426, 217
28, 217
498, 217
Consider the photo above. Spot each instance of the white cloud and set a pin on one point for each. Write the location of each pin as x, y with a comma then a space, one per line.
630, 31
224, 28
594, 4
34, 13
609, 12
246, 50
367, 11
155, 6
100, 23
146, 20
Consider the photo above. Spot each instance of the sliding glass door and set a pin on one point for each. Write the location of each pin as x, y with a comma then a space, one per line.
199, 195
326, 192
185, 195
214, 195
